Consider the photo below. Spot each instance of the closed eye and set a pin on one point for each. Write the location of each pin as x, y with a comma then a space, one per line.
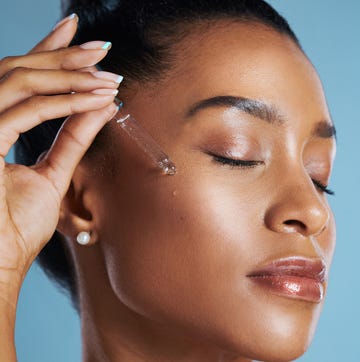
236, 163
322, 187
253, 163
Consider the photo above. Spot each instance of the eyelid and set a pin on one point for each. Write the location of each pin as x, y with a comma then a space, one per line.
253, 163
233, 162
233, 145
322, 187
319, 172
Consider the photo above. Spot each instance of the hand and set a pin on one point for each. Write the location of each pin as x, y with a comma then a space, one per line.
30, 197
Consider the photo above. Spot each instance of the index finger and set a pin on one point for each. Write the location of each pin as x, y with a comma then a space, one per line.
72, 58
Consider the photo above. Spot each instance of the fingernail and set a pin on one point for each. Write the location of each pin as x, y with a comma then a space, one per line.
117, 78
108, 92
65, 20
96, 45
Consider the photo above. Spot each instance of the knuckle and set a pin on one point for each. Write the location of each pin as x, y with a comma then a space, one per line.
21, 78
36, 104
78, 103
7, 63
73, 107
24, 78
43, 107
66, 59
73, 79
7, 60
68, 63
71, 138
22, 71
52, 169
20, 75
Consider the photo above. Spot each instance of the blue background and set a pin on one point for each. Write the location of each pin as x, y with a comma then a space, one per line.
48, 329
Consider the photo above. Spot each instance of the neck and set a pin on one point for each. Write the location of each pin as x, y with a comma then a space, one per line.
128, 337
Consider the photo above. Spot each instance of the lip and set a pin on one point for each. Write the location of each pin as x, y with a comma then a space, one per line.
295, 277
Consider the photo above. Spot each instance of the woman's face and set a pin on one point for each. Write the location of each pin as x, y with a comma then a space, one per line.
202, 251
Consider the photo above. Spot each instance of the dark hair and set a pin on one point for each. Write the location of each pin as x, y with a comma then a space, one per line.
143, 33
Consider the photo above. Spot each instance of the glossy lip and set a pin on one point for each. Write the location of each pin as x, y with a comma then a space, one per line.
294, 277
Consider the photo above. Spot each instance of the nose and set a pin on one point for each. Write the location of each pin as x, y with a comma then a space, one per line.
299, 208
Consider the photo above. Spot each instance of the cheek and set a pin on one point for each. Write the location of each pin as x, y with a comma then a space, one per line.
180, 252
166, 231
178, 249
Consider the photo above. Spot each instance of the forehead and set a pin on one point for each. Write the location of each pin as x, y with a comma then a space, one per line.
239, 50
243, 59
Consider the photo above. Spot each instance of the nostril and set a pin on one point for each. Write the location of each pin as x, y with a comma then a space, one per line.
290, 222
294, 225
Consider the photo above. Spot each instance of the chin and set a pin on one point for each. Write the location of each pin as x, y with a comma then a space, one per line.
280, 333
281, 352
274, 349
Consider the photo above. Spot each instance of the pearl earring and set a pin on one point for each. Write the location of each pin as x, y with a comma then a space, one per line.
83, 238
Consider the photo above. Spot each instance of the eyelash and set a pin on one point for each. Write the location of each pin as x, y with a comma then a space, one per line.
323, 187
251, 164
236, 163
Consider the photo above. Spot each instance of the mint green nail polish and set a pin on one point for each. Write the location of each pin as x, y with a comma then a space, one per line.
119, 79
106, 46
119, 103
65, 20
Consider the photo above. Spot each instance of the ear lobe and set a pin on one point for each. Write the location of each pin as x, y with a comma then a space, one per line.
74, 217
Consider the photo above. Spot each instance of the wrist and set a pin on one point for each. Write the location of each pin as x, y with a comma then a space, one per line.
10, 285
7, 330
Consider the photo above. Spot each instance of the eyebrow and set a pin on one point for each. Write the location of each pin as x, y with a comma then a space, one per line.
258, 109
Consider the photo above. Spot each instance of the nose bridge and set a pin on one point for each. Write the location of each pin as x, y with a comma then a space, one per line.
298, 206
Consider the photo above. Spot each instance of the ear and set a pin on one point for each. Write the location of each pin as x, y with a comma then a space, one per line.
75, 216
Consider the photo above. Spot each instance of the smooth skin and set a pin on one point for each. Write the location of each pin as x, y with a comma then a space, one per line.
171, 255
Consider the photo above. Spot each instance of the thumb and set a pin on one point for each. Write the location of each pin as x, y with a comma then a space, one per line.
72, 141
59, 37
